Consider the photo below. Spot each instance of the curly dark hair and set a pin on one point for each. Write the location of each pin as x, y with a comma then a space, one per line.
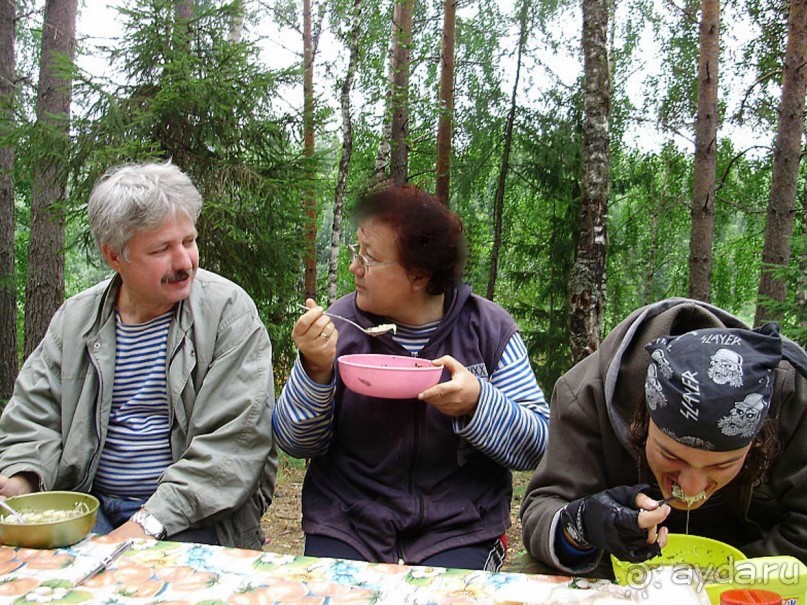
764, 448
429, 236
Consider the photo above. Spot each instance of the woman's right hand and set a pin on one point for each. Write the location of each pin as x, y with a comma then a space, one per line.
316, 337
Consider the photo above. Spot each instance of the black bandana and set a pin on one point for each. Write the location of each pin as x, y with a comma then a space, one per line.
711, 389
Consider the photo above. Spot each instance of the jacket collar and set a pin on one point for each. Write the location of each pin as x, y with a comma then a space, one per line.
105, 309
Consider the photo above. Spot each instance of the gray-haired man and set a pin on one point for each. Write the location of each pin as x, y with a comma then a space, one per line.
152, 390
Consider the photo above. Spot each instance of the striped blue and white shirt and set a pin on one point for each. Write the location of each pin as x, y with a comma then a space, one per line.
510, 423
137, 448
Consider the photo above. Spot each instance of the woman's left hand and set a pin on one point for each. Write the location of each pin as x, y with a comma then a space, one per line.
458, 396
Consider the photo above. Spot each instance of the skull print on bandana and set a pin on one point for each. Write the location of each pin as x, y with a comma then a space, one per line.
745, 416
726, 367
712, 387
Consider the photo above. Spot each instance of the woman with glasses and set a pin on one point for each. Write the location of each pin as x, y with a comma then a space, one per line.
424, 481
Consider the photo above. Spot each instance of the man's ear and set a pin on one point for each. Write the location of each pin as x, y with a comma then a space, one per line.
112, 258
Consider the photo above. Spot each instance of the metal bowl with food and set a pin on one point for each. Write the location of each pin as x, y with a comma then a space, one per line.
49, 519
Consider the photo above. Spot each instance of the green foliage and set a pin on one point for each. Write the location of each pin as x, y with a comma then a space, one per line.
647, 229
673, 94
763, 56
540, 241
793, 310
212, 108
207, 105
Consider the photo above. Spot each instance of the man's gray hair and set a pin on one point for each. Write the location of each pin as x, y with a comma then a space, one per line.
139, 197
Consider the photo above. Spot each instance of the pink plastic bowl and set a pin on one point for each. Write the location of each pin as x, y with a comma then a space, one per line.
388, 376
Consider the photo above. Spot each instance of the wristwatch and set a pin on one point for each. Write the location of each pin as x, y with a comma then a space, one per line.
150, 524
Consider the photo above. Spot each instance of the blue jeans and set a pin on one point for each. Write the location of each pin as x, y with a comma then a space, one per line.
115, 511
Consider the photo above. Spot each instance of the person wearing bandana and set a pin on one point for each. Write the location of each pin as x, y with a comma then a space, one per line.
681, 401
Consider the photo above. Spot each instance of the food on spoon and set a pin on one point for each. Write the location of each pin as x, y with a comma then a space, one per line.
46, 516
382, 328
678, 493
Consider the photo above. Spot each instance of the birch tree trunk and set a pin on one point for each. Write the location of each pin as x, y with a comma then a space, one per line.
8, 282
347, 150
446, 101
498, 201
236, 30
587, 279
309, 201
44, 290
785, 172
703, 194
399, 130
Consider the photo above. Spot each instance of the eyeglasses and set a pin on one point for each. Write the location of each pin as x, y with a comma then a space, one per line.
366, 263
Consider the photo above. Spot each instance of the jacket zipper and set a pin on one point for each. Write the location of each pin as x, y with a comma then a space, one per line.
171, 403
87, 481
416, 410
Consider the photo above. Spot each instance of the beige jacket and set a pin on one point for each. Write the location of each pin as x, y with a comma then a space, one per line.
221, 395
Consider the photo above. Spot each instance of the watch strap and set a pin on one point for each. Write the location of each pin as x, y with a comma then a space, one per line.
150, 524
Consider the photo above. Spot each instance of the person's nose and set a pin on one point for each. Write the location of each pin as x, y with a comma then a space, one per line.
183, 259
356, 267
693, 481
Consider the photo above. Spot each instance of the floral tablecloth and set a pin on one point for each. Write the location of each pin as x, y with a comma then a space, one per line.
177, 573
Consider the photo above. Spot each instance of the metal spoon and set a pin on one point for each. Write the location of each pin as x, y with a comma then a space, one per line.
17, 515
374, 331
106, 562
660, 502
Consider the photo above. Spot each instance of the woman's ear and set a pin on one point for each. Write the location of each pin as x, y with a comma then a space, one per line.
419, 282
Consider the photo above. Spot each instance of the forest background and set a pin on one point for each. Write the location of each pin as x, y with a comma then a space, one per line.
602, 155
281, 140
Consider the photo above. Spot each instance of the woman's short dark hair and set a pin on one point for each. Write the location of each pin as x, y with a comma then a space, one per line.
429, 236
764, 448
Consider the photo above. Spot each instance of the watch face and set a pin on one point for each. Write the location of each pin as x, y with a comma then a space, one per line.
151, 526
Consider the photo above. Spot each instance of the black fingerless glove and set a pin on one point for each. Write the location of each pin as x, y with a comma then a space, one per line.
609, 521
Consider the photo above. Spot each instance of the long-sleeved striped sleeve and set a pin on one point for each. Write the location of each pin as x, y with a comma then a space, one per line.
511, 420
303, 418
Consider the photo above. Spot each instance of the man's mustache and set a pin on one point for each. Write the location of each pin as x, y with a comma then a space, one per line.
178, 276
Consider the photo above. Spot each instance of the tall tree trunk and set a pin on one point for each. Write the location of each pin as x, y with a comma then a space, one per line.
347, 150
446, 101
498, 201
183, 10
8, 281
401, 44
801, 284
183, 15
309, 201
650, 272
44, 290
785, 172
236, 22
703, 194
587, 278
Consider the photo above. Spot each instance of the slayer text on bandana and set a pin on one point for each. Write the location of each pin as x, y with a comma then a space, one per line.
711, 389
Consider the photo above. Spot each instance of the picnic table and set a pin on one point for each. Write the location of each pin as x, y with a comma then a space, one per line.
173, 573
